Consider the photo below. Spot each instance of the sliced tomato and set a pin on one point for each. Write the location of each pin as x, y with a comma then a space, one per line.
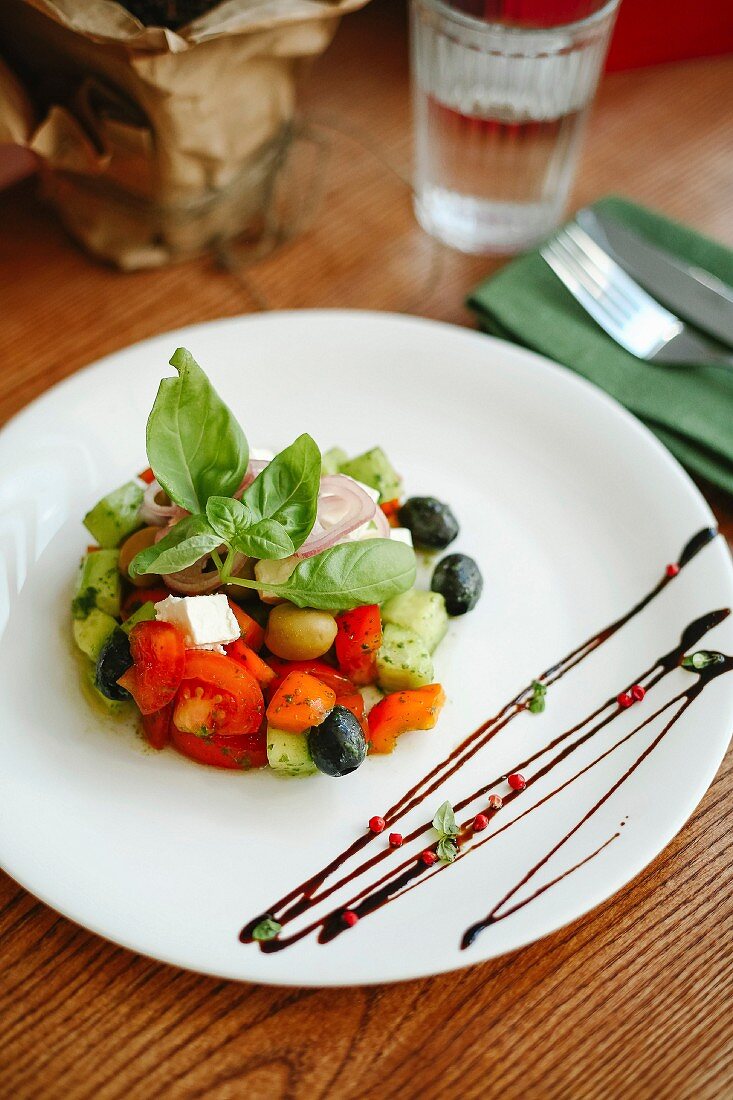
357, 642
417, 709
158, 653
300, 702
323, 672
250, 660
139, 596
242, 752
217, 696
252, 634
157, 726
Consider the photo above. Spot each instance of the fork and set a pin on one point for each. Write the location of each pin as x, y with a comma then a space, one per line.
622, 308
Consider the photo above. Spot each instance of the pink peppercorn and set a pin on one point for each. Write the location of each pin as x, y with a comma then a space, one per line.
480, 822
624, 700
350, 918
377, 824
395, 840
672, 569
516, 781
495, 801
638, 692
428, 857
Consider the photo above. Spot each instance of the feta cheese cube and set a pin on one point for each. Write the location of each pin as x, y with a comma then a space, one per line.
206, 622
373, 493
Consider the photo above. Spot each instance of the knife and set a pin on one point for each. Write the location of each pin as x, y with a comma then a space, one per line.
692, 292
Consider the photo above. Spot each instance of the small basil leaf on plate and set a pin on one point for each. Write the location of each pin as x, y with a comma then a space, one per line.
228, 517
267, 929
445, 821
192, 538
350, 574
195, 446
265, 539
447, 849
287, 489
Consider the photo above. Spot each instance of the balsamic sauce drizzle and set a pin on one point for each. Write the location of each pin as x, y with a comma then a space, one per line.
410, 873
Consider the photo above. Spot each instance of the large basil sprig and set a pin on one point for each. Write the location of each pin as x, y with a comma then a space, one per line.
195, 446
345, 576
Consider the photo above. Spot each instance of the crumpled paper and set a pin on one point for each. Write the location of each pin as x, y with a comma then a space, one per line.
156, 144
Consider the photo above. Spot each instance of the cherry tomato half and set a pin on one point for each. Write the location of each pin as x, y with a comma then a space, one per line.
157, 727
217, 696
246, 751
158, 652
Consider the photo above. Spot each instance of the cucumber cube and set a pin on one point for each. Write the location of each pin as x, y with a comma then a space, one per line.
373, 468
91, 633
288, 753
115, 516
403, 660
333, 460
423, 613
113, 707
143, 614
99, 584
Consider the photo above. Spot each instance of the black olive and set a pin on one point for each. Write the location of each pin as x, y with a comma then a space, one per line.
432, 523
338, 745
113, 661
459, 581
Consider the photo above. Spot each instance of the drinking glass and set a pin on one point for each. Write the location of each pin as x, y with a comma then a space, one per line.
501, 93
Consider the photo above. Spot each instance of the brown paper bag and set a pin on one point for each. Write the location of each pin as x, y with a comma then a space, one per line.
156, 144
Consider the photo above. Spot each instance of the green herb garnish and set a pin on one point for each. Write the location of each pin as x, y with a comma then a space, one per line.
267, 929
446, 826
536, 704
199, 454
702, 659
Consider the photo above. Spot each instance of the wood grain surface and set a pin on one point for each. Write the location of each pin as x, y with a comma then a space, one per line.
634, 1000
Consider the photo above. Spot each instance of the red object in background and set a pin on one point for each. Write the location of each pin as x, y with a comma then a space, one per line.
649, 32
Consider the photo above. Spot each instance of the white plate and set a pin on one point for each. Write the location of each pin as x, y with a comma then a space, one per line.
572, 509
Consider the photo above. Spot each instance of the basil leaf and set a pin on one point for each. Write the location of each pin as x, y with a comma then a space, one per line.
350, 574
447, 849
195, 446
287, 489
445, 821
267, 929
266, 539
184, 545
228, 517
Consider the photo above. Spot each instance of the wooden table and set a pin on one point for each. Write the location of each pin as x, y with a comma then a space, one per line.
634, 1000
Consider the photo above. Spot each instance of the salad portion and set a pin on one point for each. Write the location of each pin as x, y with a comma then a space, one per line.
260, 609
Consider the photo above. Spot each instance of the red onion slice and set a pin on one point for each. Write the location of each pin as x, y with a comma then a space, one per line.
159, 515
342, 507
202, 578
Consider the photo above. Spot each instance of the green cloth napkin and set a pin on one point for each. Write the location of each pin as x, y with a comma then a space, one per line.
690, 409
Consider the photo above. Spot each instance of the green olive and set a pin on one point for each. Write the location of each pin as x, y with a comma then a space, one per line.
299, 633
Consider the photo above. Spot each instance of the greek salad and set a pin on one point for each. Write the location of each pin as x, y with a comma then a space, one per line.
260, 609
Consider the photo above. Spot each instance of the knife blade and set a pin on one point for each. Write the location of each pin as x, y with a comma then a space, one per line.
693, 293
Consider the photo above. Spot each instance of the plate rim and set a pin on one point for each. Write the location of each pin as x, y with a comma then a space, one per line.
538, 362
